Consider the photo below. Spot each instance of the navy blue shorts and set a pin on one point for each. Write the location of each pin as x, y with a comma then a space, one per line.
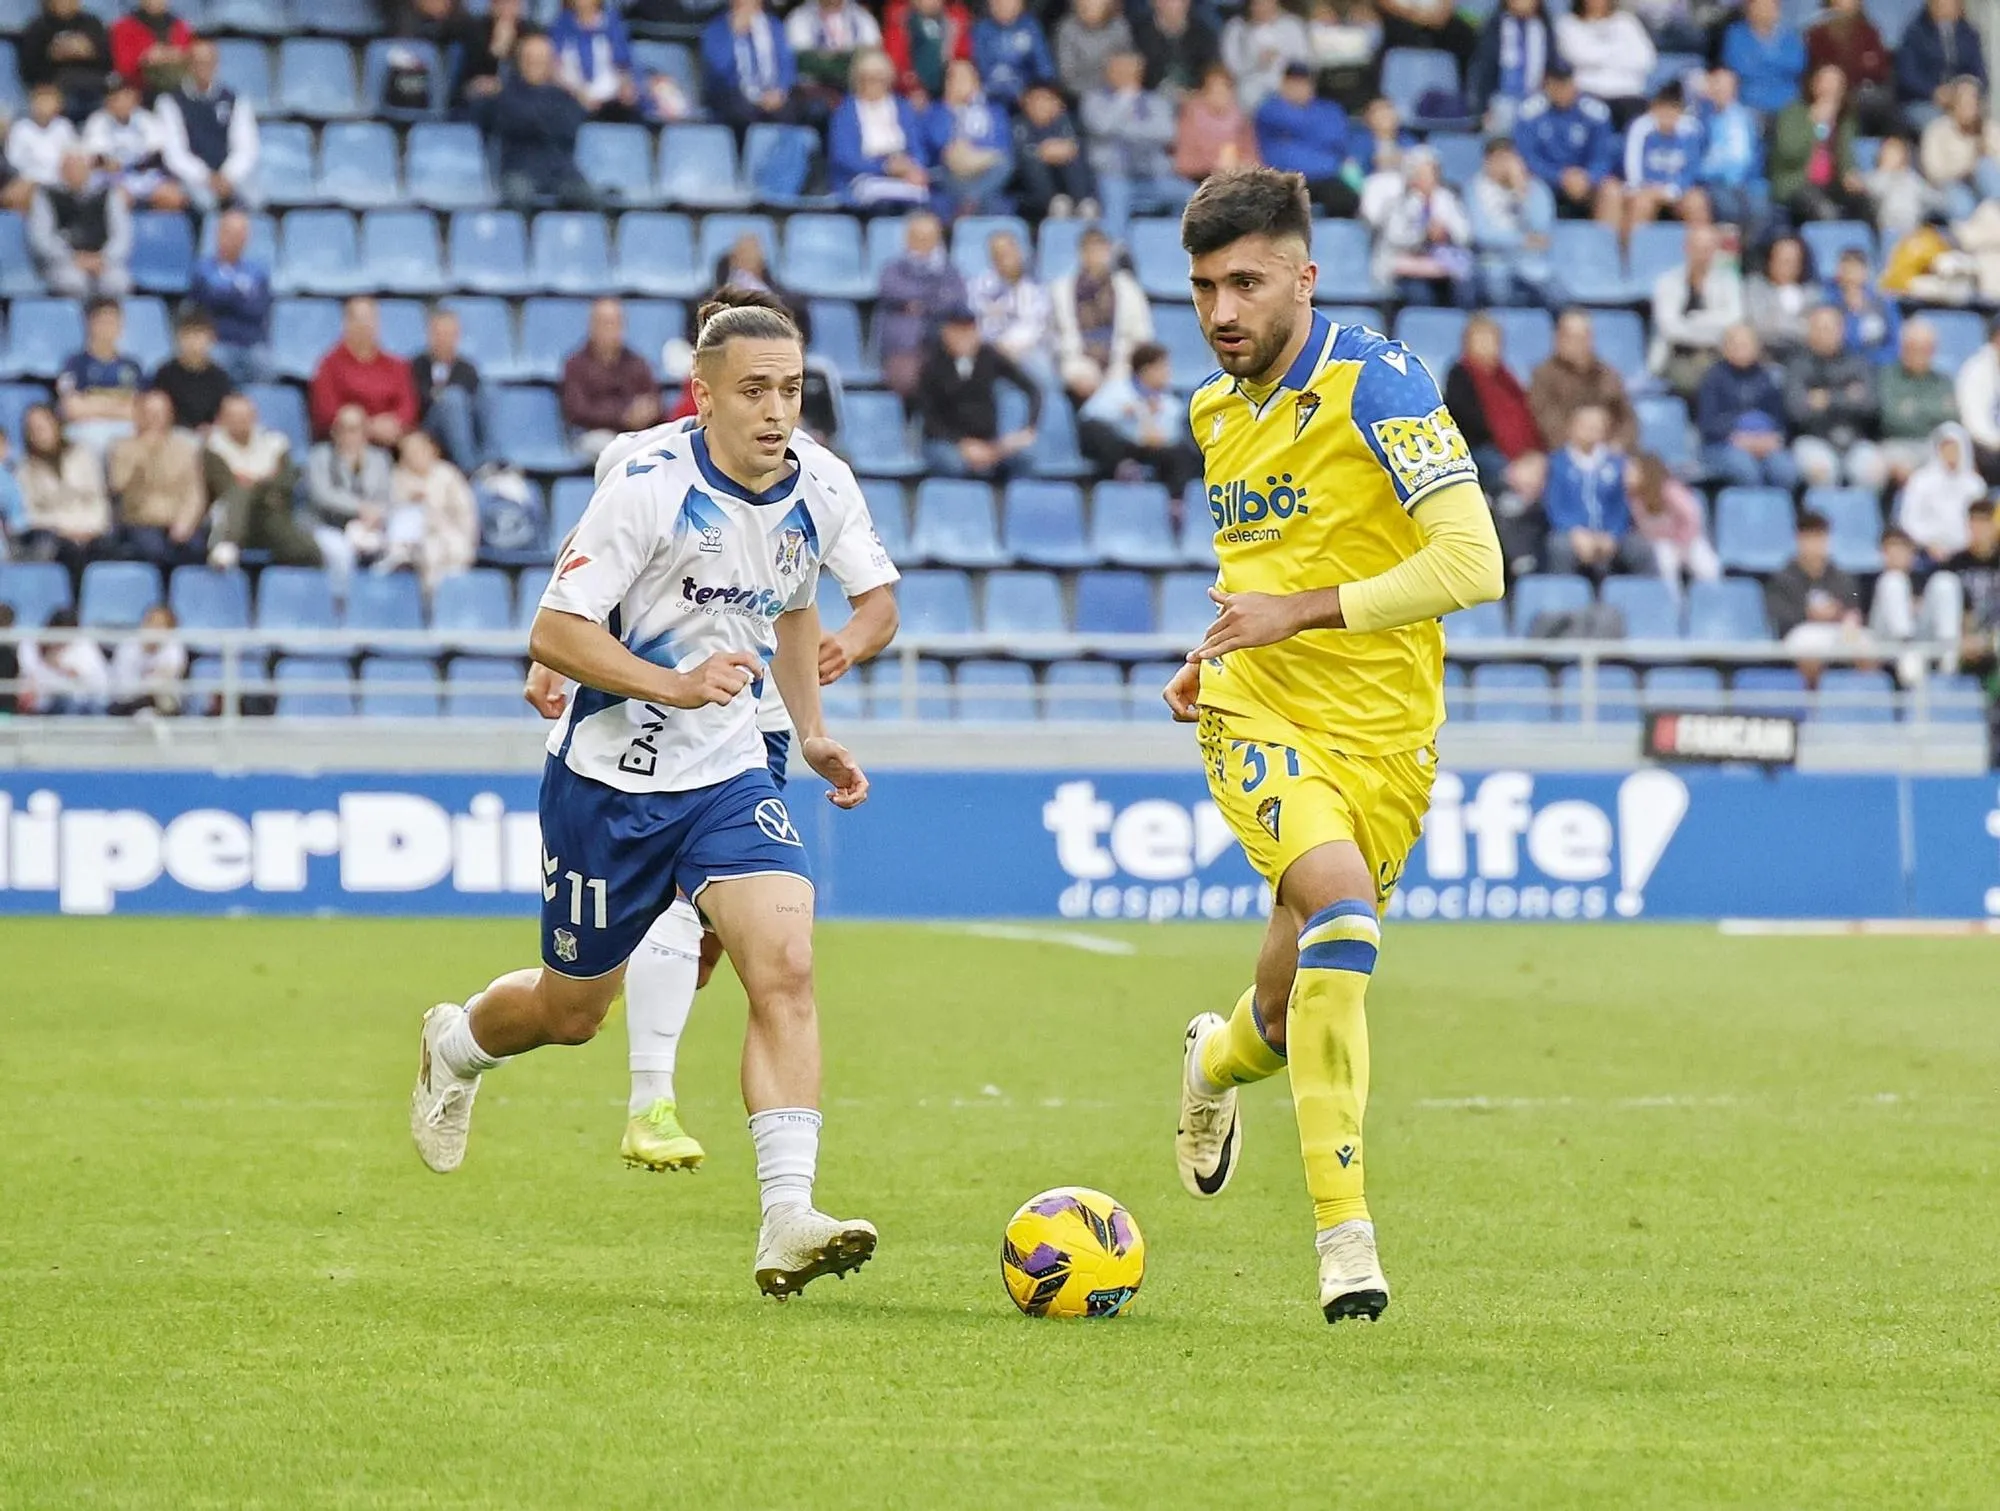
613, 861
777, 752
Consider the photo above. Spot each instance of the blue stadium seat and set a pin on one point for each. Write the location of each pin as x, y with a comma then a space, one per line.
1143, 685
1616, 695
884, 241
572, 254
1960, 334
1460, 154
282, 408
34, 590
302, 332
1589, 266
672, 59
1176, 327
1648, 604
245, 67
308, 688
486, 336
1410, 73
378, 601
285, 163
1754, 528
1185, 607
1666, 431
877, 437
319, 254
1620, 339
18, 277
1854, 695
1547, 593
1955, 699
1777, 690
1683, 687
698, 168
1115, 603
618, 162
1732, 609
778, 163
1197, 527
42, 334
1342, 250
656, 256
358, 165
205, 599
1483, 621
162, 251
995, 692
1055, 452
823, 258
375, 61
1056, 248
148, 339
1084, 692
402, 322
489, 252
935, 603
650, 324
295, 598
473, 602
484, 687
444, 167
1044, 525
925, 696
528, 590
837, 339
1526, 339
834, 609
1673, 68
1457, 697
971, 233
954, 524
528, 431
1435, 335
338, 18
1024, 603
12, 98
116, 593
399, 687
1826, 239
551, 329
1856, 517
1158, 261
1129, 526
1508, 692
316, 80
721, 232
1657, 247
399, 252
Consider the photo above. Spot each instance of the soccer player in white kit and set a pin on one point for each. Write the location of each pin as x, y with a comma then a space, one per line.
692, 577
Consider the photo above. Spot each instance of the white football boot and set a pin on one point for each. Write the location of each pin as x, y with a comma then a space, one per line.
441, 1106
1210, 1137
1351, 1283
798, 1244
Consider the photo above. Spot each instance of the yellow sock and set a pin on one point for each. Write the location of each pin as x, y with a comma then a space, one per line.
1240, 1054
1326, 1033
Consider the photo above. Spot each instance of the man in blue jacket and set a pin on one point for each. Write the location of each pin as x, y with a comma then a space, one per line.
236, 295
1739, 410
1299, 132
1589, 514
534, 121
1568, 142
1011, 51
1937, 47
748, 68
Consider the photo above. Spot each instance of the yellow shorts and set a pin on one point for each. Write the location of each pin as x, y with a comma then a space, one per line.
1282, 795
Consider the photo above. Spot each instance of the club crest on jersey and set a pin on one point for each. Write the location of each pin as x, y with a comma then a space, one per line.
1308, 407
791, 550
565, 943
1267, 815
1422, 451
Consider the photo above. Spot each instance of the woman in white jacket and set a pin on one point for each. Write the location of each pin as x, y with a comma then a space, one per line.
1101, 315
433, 523
1611, 53
1931, 508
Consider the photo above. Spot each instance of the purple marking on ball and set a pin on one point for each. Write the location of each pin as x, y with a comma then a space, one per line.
1045, 1259
1121, 1229
1056, 1205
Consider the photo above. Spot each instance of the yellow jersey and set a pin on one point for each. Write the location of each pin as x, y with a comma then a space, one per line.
1310, 482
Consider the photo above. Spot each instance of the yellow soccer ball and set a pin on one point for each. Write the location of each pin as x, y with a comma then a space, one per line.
1072, 1252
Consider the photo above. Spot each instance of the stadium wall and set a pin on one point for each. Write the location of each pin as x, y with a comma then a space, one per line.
1028, 843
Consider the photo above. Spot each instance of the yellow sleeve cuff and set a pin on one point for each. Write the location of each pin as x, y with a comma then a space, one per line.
1457, 566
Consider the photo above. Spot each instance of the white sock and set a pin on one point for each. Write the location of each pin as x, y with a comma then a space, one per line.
787, 1140
659, 994
460, 1052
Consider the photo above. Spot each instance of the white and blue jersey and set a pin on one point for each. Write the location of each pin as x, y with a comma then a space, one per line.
1664, 159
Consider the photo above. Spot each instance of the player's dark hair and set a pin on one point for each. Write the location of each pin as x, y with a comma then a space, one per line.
756, 314
1245, 202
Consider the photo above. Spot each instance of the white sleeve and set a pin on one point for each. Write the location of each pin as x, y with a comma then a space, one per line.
856, 556
617, 537
244, 143
96, 134
175, 152
1635, 149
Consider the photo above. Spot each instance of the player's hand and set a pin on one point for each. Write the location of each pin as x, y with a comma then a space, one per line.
834, 662
545, 692
1181, 692
832, 760
717, 680
1245, 620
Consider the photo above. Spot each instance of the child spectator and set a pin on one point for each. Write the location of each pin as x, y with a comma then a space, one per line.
1898, 615
1135, 425
1668, 515
1739, 412
1301, 133
62, 675
1832, 408
126, 143
1776, 301
1508, 66
1568, 142
1767, 56
1612, 53
1589, 514
1051, 175
38, 142
147, 670
191, 380
1874, 324
1214, 132
97, 386
1512, 218
1663, 150
1011, 51
1934, 505
1904, 198
1258, 44
1087, 39
876, 148
1732, 159
1812, 604
969, 141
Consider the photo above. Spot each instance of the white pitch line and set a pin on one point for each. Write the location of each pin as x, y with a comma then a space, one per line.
1856, 928
1095, 944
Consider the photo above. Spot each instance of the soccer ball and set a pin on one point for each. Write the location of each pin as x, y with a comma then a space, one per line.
1072, 1252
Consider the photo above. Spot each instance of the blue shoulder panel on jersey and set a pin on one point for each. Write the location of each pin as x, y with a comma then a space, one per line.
1398, 411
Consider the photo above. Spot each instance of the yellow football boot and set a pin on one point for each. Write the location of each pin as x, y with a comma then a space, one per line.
655, 1140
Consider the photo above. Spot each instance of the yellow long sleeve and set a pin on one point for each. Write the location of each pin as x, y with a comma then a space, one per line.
1458, 565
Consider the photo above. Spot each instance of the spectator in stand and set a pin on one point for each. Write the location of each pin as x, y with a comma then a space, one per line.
1667, 513
1589, 514
61, 675
1732, 158
1301, 133
1346, 39
1379, 145
155, 473
347, 490
249, 473
38, 142
190, 379
1131, 135
958, 399
150, 47
1811, 603
1978, 391
1087, 39
1843, 37
594, 60
1897, 614
357, 372
127, 144
147, 672
606, 386
1916, 400
1960, 149
747, 66
433, 524
1767, 56
65, 45
488, 47
1179, 47
826, 36
1574, 375
1013, 309
66, 509
1258, 44
971, 143
921, 36
1568, 142
1612, 53
1776, 301
448, 391
1498, 423
1977, 570
1812, 154
1934, 506
1508, 66
1430, 24
212, 143
1874, 324
80, 231
1422, 241
97, 386
1101, 317
1011, 51
1513, 217
1739, 411
1937, 48
1214, 133
917, 289
1693, 305
236, 295
10, 664
876, 148
532, 122
1663, 150
1136, 424
1904, 198
1832, 408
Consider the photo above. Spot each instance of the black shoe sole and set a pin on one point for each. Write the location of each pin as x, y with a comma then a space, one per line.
1357, 1306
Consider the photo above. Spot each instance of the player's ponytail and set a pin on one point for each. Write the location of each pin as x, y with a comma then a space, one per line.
756, 314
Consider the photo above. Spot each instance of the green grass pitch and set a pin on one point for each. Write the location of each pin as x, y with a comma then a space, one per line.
1672, 1220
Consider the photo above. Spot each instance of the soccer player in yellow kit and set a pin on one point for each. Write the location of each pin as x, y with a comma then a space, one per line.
1348, 517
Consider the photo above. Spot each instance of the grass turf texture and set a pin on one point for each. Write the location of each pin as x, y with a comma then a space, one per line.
1672, 1220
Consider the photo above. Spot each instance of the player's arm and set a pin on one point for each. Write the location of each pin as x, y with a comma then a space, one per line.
796, 666
871, 627
586, 652
546, 692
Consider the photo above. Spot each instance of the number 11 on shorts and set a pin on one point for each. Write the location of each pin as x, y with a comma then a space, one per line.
578, 885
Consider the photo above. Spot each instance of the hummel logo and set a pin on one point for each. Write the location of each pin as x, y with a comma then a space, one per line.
549, 864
